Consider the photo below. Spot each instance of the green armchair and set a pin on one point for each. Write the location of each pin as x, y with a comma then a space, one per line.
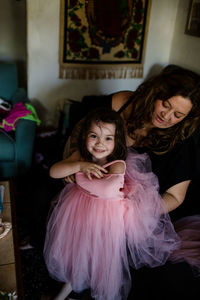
16, 149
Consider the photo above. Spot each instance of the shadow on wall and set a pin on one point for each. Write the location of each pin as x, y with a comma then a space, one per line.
42, 112
155, 69
49, 119
22, 73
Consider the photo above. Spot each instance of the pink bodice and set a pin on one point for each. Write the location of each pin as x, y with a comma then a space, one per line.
108, 187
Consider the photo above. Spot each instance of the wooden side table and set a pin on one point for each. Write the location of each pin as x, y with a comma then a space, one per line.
10, 267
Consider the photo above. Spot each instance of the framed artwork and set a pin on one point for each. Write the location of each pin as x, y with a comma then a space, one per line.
102, 39
193, 21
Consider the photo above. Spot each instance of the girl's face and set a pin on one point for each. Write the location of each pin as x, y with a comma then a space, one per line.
170, 112
100, 141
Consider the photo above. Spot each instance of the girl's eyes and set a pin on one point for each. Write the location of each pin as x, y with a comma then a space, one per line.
93, 136
109, 138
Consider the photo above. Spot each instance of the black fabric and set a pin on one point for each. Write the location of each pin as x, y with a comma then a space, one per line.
168, 282
177, 166
174, 166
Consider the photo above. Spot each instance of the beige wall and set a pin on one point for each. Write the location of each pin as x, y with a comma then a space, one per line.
185, 49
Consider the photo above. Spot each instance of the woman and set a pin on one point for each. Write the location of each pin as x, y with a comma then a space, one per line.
159, 118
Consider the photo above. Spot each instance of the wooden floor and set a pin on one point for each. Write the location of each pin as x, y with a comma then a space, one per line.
8, 269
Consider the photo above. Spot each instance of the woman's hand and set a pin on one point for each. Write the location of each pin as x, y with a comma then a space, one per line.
70, 178
90, 169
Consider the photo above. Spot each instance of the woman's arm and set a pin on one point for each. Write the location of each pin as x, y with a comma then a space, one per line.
119, 99
117, 168
175, 195
72, 142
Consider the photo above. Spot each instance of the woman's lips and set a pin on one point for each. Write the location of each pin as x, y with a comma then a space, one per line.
158, 119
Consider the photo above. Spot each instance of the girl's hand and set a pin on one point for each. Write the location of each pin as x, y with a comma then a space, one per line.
92, 169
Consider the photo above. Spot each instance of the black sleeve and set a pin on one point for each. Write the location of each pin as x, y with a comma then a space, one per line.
92, 102
181, 164
175, 166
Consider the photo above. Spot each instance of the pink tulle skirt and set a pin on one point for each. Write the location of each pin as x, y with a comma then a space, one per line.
86, 245
91, 241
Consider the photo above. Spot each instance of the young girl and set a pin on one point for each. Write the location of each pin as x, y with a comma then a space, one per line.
106, 221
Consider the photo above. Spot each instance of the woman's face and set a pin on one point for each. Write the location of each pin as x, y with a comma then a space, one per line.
171, 111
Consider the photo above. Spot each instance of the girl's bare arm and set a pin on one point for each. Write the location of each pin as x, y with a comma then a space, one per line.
66, 167
73, 164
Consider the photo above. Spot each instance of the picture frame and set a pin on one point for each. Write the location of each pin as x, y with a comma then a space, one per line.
90, 48
193, 20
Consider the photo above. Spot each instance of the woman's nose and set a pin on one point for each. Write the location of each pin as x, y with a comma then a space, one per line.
166, 114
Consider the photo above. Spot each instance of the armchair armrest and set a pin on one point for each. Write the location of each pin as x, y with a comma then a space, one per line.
25, 138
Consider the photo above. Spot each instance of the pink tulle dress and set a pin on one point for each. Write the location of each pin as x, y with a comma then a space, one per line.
101, 227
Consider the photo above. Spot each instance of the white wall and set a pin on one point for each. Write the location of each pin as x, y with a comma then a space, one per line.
185, 49
44, 86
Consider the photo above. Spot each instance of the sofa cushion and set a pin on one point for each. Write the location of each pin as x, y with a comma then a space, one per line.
7, 143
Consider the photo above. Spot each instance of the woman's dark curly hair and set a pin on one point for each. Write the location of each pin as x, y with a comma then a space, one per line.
173, 81
104, 115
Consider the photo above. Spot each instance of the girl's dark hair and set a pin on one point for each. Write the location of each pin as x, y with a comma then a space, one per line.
173, 81
104, 115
